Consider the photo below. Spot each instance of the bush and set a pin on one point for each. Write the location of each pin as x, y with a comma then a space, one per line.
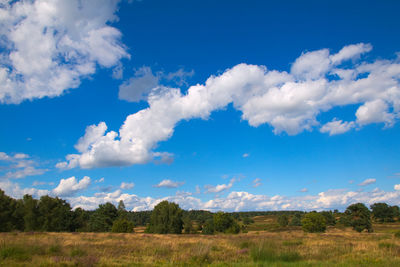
314, 222
283, 220
296, 220
122, 226
225, 223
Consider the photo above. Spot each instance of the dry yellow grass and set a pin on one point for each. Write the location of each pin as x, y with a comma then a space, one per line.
342, 247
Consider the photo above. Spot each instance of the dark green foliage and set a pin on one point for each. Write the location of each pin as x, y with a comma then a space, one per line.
10, 216
55, 214
233, 229
188, 225
329, 218
283, 220
296, 220
359, 217
102, 219
208, 228
247, 220
313, 222
225, 223
122, 226
122, 213
80, 220
166, 218
141, 218
382, 212
31, 214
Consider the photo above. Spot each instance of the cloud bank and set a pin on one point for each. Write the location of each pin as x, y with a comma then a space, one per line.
48, 46
288, 101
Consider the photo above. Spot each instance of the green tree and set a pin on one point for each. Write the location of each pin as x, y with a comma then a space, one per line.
188, 225
31, 213
166, 218
224, 221
55, 214
122, 226
122, 213
208, 228
296, 220
382, 212
313, 222
80, 220
7, 205
283, 220
359, 217
103, 218
329, 218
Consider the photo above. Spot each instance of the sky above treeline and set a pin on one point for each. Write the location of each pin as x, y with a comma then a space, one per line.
216, 105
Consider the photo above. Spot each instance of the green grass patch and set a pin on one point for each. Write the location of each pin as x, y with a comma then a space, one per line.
269, 252
77, 252
17, 253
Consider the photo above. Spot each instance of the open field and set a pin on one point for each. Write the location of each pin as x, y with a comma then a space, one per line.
291, 247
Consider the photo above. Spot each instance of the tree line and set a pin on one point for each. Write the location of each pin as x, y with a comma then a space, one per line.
53, 214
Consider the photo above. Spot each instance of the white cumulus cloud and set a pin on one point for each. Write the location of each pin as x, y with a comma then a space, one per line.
48, 46
68, 187
337, 127
288, 101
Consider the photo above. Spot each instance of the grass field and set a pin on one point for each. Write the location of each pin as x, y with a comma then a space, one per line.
274, 247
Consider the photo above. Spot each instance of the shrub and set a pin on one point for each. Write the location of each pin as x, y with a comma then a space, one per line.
397, 234
296, 220
283, 220
225, 223
122, 226
313, 222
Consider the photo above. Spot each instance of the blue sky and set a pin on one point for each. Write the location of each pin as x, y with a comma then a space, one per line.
218, 105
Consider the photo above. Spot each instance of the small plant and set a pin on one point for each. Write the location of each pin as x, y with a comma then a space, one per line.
397, 234
15, 253
77, 252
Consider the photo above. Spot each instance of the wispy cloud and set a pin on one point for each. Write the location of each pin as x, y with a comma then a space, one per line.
169, 184
367, 182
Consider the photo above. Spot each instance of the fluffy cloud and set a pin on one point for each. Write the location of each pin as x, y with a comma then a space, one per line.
367, 182
169, 184
337, 127
18, 166
234, 201
14, 190
219, 188
246, 155
70, 186
288, 101
74, 36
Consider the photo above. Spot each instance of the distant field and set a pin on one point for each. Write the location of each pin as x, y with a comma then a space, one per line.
275, 247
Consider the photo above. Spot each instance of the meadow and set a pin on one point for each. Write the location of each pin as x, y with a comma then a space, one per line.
266, 244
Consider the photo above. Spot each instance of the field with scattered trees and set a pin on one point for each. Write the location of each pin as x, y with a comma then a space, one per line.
47, 232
